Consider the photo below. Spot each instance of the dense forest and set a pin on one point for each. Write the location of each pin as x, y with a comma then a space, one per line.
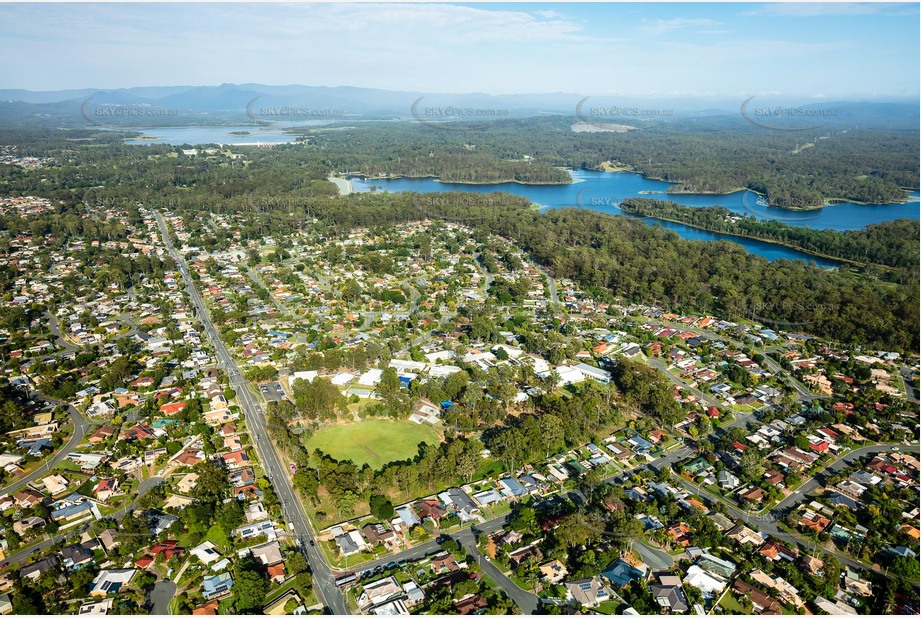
891, 243
707, 155
615, 256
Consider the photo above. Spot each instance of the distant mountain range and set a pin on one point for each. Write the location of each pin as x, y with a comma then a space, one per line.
247, 103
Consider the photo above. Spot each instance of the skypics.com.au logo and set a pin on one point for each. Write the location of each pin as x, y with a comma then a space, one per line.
801, 315
125, 115
455, 118
454, 207
290, 113
597, 202
612, 117
780, 118
96, 201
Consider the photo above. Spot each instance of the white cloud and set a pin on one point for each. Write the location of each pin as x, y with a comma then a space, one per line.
661, 26
820, 9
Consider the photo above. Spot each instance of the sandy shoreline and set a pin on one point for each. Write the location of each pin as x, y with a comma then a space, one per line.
343, 184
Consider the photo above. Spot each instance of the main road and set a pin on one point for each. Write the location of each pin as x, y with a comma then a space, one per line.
323, 580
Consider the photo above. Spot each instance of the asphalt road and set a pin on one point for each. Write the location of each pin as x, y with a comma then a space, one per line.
323, 580
554, 297
143, 487
656, 559
257, 278
528, 603
56, 331
80, 428
159, 598
654, 362
21, 556
911, 391
804, 393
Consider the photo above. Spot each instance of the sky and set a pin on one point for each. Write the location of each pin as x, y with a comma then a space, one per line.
667, 50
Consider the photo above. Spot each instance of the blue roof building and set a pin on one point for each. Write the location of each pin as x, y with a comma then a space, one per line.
622, 574
217, 585
513, 487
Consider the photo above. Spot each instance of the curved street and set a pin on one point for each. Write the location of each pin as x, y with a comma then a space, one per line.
767, 522
81, 426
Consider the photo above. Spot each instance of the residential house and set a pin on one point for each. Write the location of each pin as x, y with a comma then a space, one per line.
520, 555
774, 550
105, 489
108, 540
621, 573
96, 607
76, 556
431, 509
217, 586
101, 435
267, 553
761, 603
26, 524
379, 592
755, 494
668, 594
705, 581
377, 533
206, 553
110, 581
187, 483
474, 604
36, 569
55, 484
744, 535
588, 592
350, 542
444, 562
553, 572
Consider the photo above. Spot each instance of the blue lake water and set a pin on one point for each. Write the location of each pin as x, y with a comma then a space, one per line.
603, 191
177, 136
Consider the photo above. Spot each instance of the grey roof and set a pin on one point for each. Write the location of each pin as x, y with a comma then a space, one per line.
346, 544
458, 499
513, 486
670, 597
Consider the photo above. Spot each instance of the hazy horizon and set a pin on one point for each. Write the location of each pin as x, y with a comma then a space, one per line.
817, 52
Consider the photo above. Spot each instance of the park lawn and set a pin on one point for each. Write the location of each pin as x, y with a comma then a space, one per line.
375, 442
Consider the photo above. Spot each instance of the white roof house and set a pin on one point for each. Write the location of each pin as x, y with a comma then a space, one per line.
206, 552
371, 377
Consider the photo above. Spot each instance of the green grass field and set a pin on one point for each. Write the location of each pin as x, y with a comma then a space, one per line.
373, 441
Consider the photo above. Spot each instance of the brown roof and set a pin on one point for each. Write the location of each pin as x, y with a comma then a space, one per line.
446, 561
754, 494
208, 609
766, 603
470, 604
